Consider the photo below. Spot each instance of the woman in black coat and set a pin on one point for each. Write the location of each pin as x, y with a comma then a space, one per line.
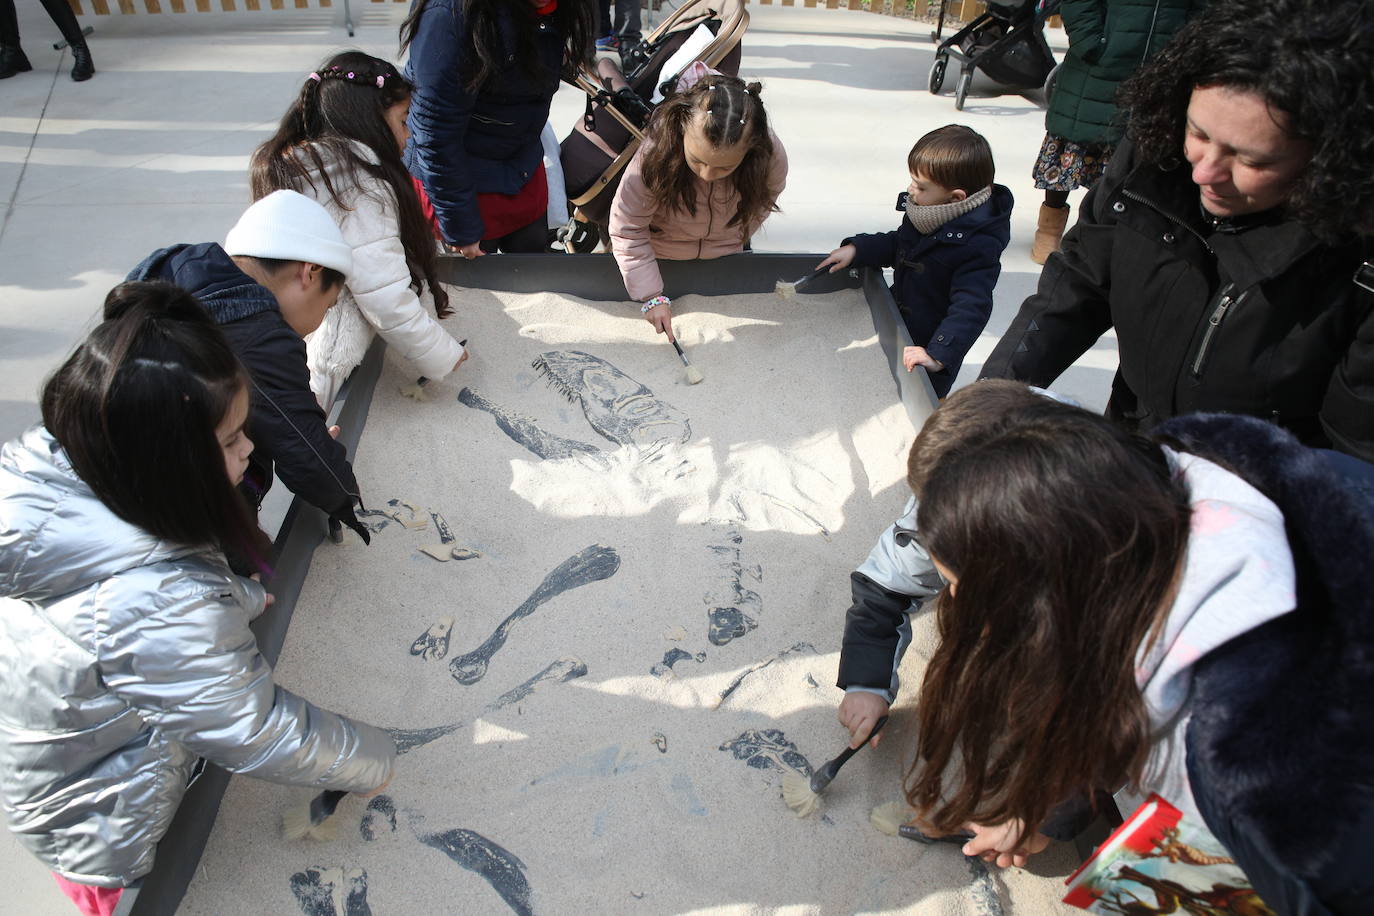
484, 73
1228, 242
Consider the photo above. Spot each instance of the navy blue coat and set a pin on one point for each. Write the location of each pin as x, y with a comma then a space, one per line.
286, 424
943, 282
463, 142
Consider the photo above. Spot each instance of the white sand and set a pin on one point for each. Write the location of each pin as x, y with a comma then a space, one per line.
612, 788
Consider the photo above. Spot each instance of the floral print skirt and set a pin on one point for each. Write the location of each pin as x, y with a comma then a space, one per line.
1064, 165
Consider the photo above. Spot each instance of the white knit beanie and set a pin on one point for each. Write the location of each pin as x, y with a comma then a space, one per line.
289, 226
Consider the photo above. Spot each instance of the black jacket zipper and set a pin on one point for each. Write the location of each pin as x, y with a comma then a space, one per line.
1223, 306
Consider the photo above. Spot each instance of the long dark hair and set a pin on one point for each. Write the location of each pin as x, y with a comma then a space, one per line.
1066, 534
135, 408
732, 113
1310, 61
339, 104
485, 53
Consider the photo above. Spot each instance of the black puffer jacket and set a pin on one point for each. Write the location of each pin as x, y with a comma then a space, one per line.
285, 422
1265, 320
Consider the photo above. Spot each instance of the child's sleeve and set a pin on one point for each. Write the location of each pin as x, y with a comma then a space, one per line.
897, 575
970, 307
181, 655
873, 249
632, 212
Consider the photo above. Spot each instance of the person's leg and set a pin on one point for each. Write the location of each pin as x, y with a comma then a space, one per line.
530, 238
90, 900
627, 24
83, 68
12, 59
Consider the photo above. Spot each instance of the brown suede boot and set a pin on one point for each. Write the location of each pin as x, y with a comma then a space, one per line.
1048, 231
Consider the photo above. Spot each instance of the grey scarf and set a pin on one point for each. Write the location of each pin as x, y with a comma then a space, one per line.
928, 218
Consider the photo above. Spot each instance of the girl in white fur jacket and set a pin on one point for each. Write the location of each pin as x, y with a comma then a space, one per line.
340, 143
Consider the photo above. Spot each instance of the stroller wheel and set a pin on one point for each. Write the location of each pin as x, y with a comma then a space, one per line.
961, 90
937, 73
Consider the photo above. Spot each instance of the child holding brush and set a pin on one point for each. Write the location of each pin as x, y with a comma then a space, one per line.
125, 648
898, 576
947, 251
708, 175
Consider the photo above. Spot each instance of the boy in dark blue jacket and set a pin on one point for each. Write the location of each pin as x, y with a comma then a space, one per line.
279, 270
947, 252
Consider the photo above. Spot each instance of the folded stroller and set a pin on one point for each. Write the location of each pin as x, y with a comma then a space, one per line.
607, 136
1007, 42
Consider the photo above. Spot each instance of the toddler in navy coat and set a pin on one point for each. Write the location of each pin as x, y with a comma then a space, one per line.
946, 253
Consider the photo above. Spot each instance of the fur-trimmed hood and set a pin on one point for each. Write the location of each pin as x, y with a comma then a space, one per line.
1281, 742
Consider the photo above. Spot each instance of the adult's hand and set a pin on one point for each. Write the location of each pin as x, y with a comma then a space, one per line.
860, 712
661, 317
839, 259
1003, 844
471, 251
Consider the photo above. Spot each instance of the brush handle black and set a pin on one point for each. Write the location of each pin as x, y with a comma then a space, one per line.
323, 806
678, 347
811, 276
825, 774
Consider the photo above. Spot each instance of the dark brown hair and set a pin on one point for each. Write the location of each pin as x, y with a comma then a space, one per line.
1310, 63
731, 113
135, 408
954, 157
967, 414
342, 106
1066, 534
485, 53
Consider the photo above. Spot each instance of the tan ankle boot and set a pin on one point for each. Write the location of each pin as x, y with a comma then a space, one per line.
1048, 231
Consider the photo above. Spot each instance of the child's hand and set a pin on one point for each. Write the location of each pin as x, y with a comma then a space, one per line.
1003, 843
661, 317
917, 356
379, 789
468, 251
859, 712
840, 258
462, 359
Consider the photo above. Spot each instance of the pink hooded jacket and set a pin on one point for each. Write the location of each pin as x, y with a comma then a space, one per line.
642, 231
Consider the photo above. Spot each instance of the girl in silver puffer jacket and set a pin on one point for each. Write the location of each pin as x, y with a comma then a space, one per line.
125, 652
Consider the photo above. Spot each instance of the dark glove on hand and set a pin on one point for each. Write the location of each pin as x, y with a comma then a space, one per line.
346, 516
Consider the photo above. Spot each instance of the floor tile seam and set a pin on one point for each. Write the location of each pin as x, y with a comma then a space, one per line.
33, 141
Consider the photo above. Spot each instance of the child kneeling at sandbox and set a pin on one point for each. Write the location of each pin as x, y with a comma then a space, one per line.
947, 252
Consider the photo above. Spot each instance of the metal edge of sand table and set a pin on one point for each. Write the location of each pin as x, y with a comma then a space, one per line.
593, 277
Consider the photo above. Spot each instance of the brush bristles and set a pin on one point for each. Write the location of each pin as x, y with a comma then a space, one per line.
296, 826
694, 376
785, 289
887, 817
797, 793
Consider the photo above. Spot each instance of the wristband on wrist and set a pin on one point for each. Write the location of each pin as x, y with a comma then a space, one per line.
655, 302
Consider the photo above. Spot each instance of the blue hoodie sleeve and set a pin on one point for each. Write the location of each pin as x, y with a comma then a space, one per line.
440, 109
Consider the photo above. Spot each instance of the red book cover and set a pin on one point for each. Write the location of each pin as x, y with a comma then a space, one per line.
1159, 862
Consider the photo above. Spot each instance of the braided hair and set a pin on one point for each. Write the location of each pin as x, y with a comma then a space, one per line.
729, 113
343, 102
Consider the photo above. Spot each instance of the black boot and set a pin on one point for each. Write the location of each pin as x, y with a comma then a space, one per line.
12, 61
83, 68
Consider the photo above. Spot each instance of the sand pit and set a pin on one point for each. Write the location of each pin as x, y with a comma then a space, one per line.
602, 608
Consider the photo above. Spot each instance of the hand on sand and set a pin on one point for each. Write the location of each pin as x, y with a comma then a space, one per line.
1003, 844
860, 712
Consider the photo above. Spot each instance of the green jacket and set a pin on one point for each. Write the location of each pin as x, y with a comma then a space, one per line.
1108, 41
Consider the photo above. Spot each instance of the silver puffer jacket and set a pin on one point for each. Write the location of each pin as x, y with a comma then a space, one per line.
123, 658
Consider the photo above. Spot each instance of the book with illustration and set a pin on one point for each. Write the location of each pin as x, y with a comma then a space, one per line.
1159, 862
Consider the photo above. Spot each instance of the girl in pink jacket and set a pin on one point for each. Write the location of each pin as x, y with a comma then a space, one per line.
708, 175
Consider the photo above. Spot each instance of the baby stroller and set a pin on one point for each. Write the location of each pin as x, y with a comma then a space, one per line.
619, 103
1007, 42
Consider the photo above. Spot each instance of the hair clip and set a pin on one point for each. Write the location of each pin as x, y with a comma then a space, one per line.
350, 74
315, 77
741, 120
381, 80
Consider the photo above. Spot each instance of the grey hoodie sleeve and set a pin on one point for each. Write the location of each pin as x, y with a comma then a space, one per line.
175, 645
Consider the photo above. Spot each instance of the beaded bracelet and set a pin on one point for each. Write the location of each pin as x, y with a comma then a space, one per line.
654, 303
